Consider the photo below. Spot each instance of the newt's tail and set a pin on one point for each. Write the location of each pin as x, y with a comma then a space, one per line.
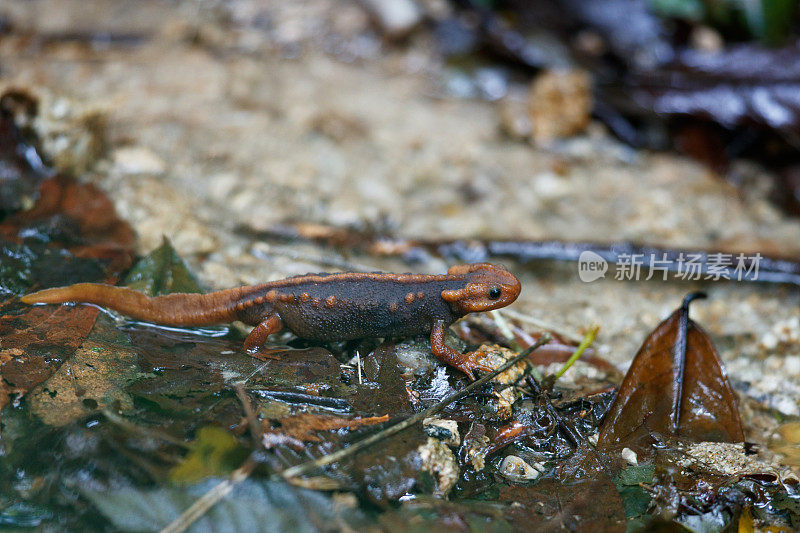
180, 309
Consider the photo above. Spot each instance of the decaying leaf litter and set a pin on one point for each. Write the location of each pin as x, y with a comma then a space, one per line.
562, 506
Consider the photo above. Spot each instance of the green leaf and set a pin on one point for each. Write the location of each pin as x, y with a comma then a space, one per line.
162, 271
634, 498
633, 475
253, 505
215, 453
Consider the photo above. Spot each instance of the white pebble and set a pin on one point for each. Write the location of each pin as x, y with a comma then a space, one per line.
630, 456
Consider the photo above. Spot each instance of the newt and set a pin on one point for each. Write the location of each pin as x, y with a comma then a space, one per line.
322, 307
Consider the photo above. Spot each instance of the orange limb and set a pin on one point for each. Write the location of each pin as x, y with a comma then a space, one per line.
465, 362
258, 337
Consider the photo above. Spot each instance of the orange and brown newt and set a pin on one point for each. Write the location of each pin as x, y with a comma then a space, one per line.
323, 307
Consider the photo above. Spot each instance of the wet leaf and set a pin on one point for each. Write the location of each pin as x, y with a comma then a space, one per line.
215, 452
36, 341
577, 505
788, 503
435, 514
93, 378
773, 503
191, 376
388, 472
77, 217
162, 271
251, 506
711, 522
43, 466
384, 390
27, 267
72, 234
676, 386
634, 498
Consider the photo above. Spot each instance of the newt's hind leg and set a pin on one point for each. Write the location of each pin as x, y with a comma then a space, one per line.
466, 362
258, 337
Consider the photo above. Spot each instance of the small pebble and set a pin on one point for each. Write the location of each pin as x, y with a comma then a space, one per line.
630, 456
516, 469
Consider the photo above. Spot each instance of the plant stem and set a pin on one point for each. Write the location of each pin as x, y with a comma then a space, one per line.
587, 340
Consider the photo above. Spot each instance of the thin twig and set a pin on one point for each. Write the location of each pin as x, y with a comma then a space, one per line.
419, 417
252, 421
222, 489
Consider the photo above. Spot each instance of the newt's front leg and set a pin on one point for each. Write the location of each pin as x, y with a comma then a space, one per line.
258, 337
465, 362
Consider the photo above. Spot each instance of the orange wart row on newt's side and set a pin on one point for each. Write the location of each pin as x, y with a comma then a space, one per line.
323, 307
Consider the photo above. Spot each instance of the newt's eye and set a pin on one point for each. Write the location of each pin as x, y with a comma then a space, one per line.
494, 293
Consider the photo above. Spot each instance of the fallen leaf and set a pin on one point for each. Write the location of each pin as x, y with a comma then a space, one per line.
675, 386
72, 234
94, 377
383, 390
75, 216
35, 342
215, 452
634, 498
162, 271
580, 497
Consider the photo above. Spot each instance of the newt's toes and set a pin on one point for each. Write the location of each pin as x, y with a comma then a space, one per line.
470, 362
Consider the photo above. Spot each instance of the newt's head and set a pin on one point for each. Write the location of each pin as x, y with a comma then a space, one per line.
487, 287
